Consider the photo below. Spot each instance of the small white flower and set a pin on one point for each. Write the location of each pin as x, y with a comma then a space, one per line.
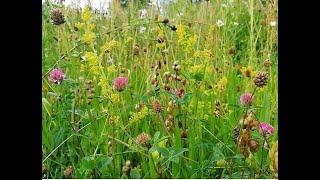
110, 60
142, 29
220, 23
180, 14
273, 23
236, 24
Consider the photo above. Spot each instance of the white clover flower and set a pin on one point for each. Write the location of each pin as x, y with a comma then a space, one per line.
220, 23
273, 23
142, 29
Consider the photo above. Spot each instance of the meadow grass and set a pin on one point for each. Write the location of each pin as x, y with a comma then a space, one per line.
219, 46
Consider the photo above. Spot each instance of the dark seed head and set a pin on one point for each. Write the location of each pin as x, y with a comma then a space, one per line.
165, 21
57, 17
261, 79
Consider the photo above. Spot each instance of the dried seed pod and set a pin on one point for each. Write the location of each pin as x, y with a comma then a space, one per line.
231, 51
184, 133
267, 63
160, 39
167, 87
68, 172
44, 168
244, 138
157, 108
136, 49
253, 145
143, 139
167, 75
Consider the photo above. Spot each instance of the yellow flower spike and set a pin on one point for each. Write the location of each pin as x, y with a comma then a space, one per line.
86, 14
273, 156
79, 25
88, 37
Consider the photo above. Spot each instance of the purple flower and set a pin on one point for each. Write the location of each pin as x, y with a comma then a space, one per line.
265, 128
246, 99
120, 83
56, 76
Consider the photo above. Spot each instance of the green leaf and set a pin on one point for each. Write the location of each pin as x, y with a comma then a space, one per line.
88, 162
103, 162
134, 174
156, 136
46, 105
164, 151
198, 76
176, 153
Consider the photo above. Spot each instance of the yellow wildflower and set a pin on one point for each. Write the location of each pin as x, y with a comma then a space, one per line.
191, 42
112, 68
273, 155
79, 25
86, 14
93, 62
88, 37
115, 97
137, 116
181, 33
129, 39
247, 71
221, 85
108, 46
83, 68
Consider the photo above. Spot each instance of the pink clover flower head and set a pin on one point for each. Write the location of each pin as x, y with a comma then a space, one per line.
265, 128
246, 98
120, 83
56, 76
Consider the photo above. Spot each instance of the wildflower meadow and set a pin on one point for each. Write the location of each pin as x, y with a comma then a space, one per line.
179, 89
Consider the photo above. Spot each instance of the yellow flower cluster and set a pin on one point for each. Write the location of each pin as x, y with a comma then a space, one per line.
202, 54
221, 85
86, 14
247, 71
129, 40
202, 109
103, 83
181, 33
108, 46
88, 36
107, 92
191, 41
112, 69
273, 155
115, 97
196, 68
93, 62
137, 116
